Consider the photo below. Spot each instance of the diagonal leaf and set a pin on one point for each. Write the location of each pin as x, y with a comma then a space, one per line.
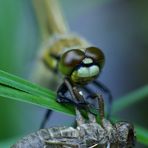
39, 100
23, 85
142, 135
130, 99
20, 84
18, 89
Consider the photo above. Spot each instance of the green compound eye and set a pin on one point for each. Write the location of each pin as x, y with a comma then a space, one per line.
70, 60
96, 54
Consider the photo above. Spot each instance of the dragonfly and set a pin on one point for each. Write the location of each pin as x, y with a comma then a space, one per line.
80, 63
86, 135
70, 61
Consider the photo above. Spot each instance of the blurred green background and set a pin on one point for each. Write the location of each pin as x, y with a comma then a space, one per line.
118, 27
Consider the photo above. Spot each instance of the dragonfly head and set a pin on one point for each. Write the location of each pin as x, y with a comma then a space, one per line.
82, 65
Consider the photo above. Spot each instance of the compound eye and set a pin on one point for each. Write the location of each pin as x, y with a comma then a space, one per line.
70, 60
96, 54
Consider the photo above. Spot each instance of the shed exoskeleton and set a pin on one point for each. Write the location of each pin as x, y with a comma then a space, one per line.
86, 135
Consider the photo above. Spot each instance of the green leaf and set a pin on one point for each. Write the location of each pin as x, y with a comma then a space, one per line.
16, 88
34, 99
130, 99
142, 135
20, 84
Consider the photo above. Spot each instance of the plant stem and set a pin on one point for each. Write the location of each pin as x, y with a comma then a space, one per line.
130, 99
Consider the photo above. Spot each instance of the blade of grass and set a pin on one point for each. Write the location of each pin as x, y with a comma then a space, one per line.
130, 99
39, 100
142, 135
20, 84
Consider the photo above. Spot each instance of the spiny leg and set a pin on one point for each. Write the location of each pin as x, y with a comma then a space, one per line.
106, 124
67, 87
73, 91
101, 107
45, 119
100, 101
76, 96
91, 116
105, 89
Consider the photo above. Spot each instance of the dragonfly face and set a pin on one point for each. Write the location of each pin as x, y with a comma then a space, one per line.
79, 66
82, 65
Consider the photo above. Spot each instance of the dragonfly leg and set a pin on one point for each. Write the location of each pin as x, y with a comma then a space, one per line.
106, 90
101, 107
91, 116
46, 117
100, 100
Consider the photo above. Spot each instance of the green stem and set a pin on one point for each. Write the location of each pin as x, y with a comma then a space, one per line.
130, 99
